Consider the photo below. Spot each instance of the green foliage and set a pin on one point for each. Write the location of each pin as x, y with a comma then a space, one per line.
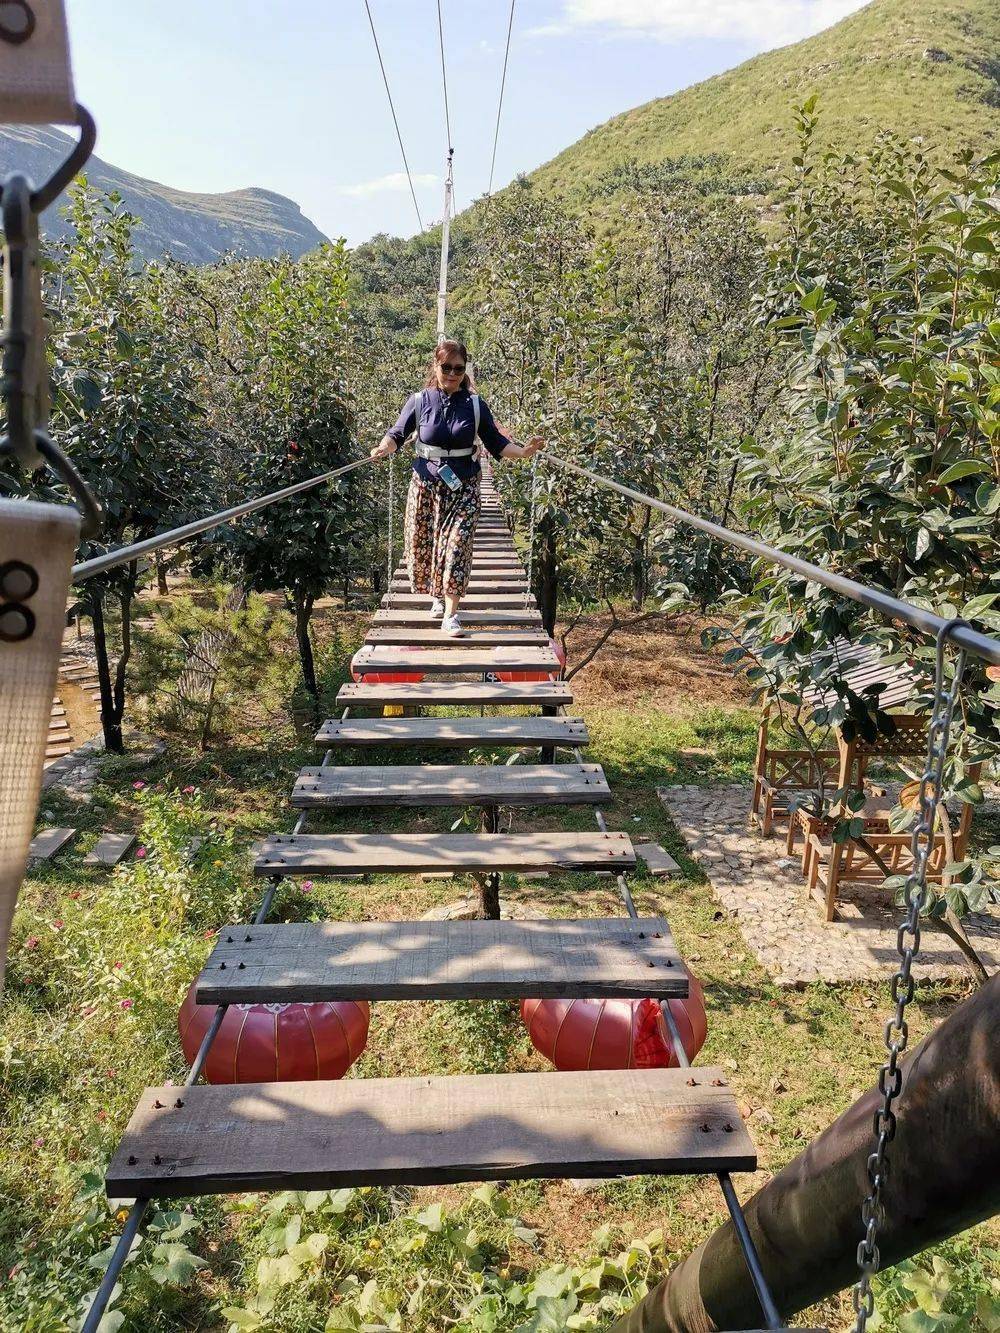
202, 661
418, 1270
950, 1292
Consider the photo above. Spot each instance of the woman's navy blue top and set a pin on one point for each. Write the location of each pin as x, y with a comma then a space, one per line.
448, 421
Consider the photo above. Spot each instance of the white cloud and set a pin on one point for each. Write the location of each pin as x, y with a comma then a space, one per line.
394, 183
763, 22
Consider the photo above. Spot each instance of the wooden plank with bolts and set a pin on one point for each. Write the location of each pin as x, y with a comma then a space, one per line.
477, 600
421, 785
456, 693
218, 1139
370, 661
443, 960
291, 854
454, 731
417, 617
471, 636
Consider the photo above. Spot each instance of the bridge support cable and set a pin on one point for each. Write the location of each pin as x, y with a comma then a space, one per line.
963, 636
395, 120
100, 564
503, 85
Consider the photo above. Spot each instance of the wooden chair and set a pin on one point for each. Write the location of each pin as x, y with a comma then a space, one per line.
879, 853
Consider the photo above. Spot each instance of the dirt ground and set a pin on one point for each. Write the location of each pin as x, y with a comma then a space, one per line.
659, 662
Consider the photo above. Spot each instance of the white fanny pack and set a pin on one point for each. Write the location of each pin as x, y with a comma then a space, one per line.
430, 451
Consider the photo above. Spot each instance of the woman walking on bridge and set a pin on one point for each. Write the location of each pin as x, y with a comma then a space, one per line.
447, 421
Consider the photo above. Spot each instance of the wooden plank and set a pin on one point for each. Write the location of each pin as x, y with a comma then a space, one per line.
478, 583
291, 854
234, 1138
658, 860
453, 660
416, 616
456, 693
443, 960
49, 843
424, 785
471, 636
471, 600
454, 731
109, 849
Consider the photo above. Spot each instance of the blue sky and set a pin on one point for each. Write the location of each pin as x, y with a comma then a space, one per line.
287, 95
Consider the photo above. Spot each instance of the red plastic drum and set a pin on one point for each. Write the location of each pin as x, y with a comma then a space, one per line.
559, 651
614, 1034
264, 1043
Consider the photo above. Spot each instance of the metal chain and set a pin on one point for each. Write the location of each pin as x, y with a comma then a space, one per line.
531, 530
890, 1079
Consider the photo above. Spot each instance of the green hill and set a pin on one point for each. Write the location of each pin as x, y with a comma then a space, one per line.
912, 67
197, 228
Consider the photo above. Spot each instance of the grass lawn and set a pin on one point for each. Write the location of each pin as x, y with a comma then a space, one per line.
99, 964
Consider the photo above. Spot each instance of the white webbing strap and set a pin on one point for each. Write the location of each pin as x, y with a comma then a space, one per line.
37, 544
36, 81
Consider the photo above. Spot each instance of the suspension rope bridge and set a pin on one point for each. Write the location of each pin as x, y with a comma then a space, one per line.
206, 1139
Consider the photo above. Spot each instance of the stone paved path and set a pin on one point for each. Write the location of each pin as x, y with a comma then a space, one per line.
780, 923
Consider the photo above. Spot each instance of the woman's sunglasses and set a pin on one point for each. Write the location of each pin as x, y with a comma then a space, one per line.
448, 369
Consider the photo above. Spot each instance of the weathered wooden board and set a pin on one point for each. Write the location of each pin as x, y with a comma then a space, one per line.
417, 617
478, 583
49, 843
437, 661
454, 731
109, 849
443, 960
478, 600
456, 693
290, 854
658, 859
428, 1131
472, 636
450, 784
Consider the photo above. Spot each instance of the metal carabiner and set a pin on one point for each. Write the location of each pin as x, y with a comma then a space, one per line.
49, 453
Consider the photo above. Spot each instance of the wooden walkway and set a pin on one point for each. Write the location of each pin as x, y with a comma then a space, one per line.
320, 1135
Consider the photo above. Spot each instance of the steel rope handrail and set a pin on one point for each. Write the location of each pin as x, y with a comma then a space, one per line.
927, 622
100, 564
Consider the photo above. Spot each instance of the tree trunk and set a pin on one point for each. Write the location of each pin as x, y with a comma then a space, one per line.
638, 570
547, 580
303, 603
110, 724
125, 599
944, 1176
161, 575
488, 886
378, 587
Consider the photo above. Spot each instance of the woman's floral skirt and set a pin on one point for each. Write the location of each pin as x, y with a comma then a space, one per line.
440, 527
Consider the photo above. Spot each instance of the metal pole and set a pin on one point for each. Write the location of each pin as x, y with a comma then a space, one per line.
102, 563
442, 307
980, 645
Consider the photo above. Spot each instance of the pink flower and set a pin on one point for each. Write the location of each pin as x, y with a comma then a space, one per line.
102, 1115
187, 791
87, 1010
39, 1143
127, 1004
57, 925
31, 942
109, 1073
116, 966
141, 853
210, 934
168, 1082
75, 894
307, 886
138, 785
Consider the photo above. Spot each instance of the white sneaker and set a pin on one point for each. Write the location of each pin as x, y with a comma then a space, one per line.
437, 608
451, 625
